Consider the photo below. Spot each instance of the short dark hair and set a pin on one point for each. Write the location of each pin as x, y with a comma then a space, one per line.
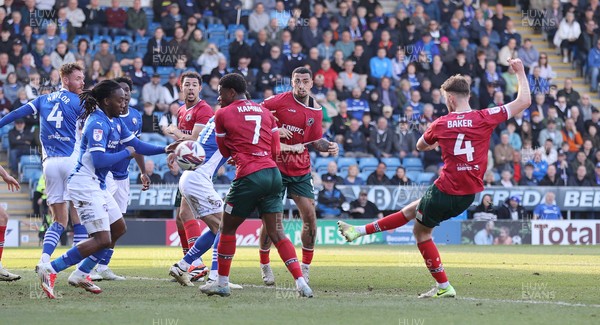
189, 74
125, 80
457, 84
234, 81
302, 70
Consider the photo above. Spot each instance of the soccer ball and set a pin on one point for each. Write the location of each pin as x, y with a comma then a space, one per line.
190, 155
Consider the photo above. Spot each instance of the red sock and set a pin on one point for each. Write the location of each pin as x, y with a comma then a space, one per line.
307, 255
2, 231
183, 240
264, 256
287, 252
226, 250
393, 221
432, 260
192, 231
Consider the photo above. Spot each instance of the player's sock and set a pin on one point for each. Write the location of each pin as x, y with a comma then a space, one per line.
215, 263
103, 263
192, 231
393, 221
183, 239
434, 263
287, 252
79, 233
264, 256
307, 255
201, 246
226, 250
2, 232
51, 239
91, 261
71, 257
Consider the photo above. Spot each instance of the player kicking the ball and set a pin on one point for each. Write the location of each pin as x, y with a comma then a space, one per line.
248, 134
464, 137
299, 119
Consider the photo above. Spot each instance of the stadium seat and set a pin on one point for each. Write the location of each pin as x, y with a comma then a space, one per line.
496, 177
390, 173
149, 13
133, 176
164, 71
216, 28
322, 162
31, 173
413, 175
425, 178
99, 38
230, 174
413, 164
5, 142
368, 170
321, 170
343, 174
391, 163
344, 162
368, 162
77, 38
133, 166
29, 161
149, 70
118, 39
152, 26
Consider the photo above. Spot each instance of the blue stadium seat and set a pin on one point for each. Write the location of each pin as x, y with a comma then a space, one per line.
149, 70
322, 162
425, 178
343, 174
368, 170
5, 129
133, 166
364, 176
31, 173
321, 170
413, 175
391, 163
77, 38
99, 38
118, 39
232, 28
496, 177
142, 40
390, 173
413, 164
216, 27
149, 13
164, 71
217, 37
345, 162
230, 174
5, 142
30, 161
159, 160
133, 176
152, 26
250, 41
368, 162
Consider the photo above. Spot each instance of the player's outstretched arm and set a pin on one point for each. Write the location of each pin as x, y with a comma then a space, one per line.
423, 146
145, 148
102, 159
20, 112
523, 100
13, 184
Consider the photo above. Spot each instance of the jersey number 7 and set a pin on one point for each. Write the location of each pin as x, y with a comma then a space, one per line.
56, 116
256, 119
467, 150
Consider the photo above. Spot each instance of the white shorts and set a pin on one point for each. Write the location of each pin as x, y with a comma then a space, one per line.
56, 172
96, 209
199, 192
119, 189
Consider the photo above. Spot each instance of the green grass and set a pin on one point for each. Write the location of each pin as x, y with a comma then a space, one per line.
353, 285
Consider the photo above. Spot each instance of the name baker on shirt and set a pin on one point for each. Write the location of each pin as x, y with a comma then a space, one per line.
460, 124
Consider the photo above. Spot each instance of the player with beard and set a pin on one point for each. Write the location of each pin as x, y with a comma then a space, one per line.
299, 119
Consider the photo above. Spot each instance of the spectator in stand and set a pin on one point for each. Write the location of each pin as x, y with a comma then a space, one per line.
378, 177
330, 199
503, 153
138, 76
547, 210
540, 167
596, 178
406, 140
258, 19
33, 88
381, 140
549, 153
380, 66
5, 104
169, 118
105, 55
294, 59
76, 16
173, 176
572, 136
506, 179
154, 178
228, 11
348, 76
328, 73
485, 211
362, 208
593, 66
355, 143
566, 36
20, 140
527, 178
581, 160
172, 20
488, 177
153, 92
592, 136
116, 18
150, 128
95, 19
62, 56
332, 171
352, 178
137, 21
514, 139
580, 179
551, 178
400, 178
357, 106
570, 94
511, 209
528, 54
221, 177
221, 65
249, 75
551, 132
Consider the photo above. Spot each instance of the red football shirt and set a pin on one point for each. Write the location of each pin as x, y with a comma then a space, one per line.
464, 139
247, 129
305, 123
198, 114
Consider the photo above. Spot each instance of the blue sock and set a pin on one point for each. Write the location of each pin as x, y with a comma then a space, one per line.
107, 257
202, 244
71, 257
79, 233
52, 237
91, 261
213, 266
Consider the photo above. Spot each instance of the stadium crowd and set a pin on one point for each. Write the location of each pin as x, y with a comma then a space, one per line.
377, 74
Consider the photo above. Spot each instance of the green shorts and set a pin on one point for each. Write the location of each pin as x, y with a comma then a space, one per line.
298, 185
260, 190
436, 206
178, 199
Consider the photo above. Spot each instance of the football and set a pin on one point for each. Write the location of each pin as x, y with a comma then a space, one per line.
190, 155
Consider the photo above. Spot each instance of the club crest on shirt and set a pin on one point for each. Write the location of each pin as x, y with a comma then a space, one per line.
119, 128
134, 121
310, 121
188, 117
98, 134
494, 110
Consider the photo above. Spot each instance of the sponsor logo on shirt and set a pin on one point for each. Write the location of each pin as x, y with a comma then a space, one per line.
310, 121
188, 117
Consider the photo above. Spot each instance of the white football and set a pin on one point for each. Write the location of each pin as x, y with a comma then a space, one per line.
190, 155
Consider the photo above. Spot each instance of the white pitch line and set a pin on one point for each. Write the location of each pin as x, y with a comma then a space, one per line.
533, 302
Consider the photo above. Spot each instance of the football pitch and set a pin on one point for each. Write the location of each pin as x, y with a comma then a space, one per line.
352, 285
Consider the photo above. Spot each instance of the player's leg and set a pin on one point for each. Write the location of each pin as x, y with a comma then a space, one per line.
265, 260
306, 207
4, 274
393, 221
433, 262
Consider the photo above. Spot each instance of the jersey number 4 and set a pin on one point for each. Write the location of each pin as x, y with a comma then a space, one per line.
56, 116
256, 119
467, 150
